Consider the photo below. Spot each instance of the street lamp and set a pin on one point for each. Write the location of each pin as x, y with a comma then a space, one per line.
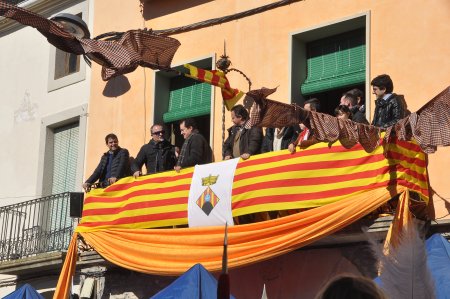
72, 24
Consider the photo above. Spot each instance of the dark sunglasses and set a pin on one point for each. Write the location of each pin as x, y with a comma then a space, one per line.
159, 132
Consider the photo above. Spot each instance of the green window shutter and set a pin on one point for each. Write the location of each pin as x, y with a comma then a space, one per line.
335, 62
188, 98
65, 153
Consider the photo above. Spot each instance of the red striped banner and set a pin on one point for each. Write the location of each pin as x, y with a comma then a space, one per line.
279, 180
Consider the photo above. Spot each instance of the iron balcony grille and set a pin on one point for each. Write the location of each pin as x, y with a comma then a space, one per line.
36, 226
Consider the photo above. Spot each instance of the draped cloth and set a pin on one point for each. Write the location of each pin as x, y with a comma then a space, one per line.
402, 219
125, 242
173, 251
115, 220
274, 181
134, 48
429, 126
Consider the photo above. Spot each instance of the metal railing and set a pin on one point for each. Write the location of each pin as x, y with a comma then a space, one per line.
36, 226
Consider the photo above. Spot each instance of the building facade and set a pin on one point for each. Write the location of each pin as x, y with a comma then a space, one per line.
45, 96
306, 49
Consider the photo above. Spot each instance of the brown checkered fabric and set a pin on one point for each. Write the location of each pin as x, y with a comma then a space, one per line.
135, 47
268, 113
328, 128
430, 126
51, 30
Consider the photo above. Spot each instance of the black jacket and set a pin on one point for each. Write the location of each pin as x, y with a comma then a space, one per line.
195, 151
250, 141
290, 135
157, 157
389, 111
119, 167
358, 116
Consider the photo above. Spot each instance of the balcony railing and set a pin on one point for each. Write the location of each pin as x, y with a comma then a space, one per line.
36, 226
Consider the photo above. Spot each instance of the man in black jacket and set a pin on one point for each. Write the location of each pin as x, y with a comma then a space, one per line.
195, 149
114, 164
157, 155
351, 101
242, 142
389, 107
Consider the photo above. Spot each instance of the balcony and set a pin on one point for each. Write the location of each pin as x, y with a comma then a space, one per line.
36, 231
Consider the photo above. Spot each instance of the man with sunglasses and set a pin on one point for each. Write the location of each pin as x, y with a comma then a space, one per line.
158, 155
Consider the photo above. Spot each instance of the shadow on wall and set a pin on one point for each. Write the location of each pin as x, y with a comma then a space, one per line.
116, 87
156, 9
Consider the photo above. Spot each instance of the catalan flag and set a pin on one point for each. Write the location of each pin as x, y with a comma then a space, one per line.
313, 177
217, 78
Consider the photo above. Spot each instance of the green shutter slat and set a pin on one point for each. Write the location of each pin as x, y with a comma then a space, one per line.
188, 98
335, 62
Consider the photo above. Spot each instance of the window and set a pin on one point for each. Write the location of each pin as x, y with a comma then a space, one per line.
60, 170
330, 60
180, 97
335, 62
65, 64
61, 151
65, 154
188, 98
67, 68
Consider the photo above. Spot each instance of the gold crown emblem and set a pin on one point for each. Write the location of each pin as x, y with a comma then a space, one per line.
209, 180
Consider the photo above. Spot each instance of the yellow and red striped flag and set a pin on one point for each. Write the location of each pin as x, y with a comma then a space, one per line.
275, 181
217, 78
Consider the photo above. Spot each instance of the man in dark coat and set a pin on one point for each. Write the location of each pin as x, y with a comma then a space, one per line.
114, 164
351, 101
389, 107
157, 155
195, 149
242, 142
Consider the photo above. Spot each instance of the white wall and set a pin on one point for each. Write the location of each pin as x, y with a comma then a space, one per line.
25, 101
26, 104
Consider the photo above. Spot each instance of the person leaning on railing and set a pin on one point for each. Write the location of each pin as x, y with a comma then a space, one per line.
242, 142
158, 155
114, 165
195, 149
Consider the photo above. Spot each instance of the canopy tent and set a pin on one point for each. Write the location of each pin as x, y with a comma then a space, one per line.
197, 282
24, 292
438, 251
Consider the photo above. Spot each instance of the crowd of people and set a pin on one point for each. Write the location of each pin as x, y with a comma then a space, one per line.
160, 155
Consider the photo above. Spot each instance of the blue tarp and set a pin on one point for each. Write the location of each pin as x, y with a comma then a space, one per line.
438, 251
196, 283
24, 292
438, 260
